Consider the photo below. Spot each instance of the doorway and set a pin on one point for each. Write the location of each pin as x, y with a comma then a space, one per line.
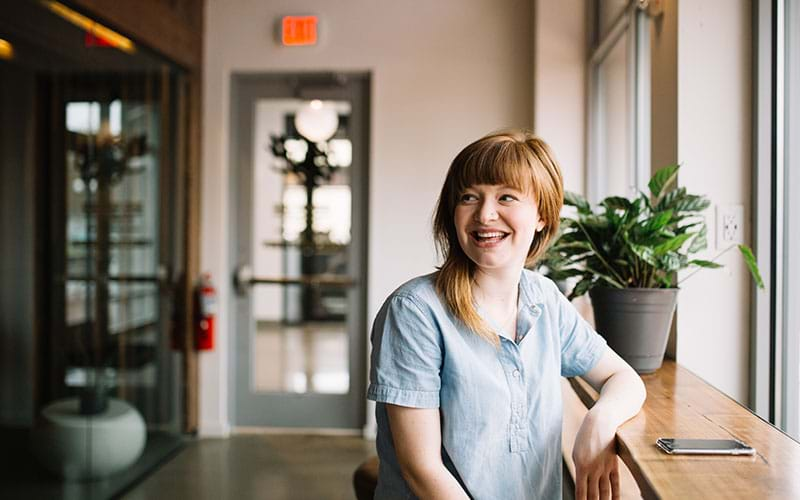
299, 254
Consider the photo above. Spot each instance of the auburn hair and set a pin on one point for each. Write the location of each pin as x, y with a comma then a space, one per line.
514, 158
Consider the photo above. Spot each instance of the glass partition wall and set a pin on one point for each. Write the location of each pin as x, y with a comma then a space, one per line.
94, 400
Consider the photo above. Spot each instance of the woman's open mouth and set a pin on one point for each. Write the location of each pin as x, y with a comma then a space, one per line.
488, 238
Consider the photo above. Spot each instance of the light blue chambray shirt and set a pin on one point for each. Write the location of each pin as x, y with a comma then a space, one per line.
500, 408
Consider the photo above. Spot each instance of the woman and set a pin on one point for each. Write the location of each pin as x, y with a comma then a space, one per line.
466, 361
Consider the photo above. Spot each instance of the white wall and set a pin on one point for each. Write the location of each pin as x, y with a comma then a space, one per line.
560, 52
443, 74
714, 145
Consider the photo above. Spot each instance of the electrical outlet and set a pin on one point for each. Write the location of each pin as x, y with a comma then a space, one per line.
730, 230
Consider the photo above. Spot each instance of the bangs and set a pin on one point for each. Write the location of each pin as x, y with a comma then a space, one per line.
503, 163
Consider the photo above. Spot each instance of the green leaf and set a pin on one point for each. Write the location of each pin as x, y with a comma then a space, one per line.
616, 203
750, 260
672, 262
691, 203
645, 253
657, 222
608, 279
595, 221
646, 199
670, 198
581, 245
661, 181
664, 281
705, 263
562, 274
581, 287
672, 244
700, 241
577, 201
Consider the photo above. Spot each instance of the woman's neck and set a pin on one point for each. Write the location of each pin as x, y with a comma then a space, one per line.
496, 289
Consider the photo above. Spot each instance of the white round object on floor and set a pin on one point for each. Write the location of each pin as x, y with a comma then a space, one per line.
77, 446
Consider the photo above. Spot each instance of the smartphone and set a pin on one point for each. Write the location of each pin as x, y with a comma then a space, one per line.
677, 446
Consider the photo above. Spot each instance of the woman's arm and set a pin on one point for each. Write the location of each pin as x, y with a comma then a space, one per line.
417, 437
622, 393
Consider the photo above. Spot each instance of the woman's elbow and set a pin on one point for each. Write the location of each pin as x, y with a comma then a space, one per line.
419, 475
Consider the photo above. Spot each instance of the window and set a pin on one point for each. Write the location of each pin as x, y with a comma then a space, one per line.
619, 101
776, 338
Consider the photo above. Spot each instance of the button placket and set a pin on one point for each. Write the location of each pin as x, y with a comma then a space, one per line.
512, 361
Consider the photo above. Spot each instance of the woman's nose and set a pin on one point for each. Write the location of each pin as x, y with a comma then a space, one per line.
487, 212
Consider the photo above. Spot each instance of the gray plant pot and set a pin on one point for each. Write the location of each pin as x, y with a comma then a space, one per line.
635, 322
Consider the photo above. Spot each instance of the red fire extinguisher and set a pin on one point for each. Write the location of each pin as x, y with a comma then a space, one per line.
206, 310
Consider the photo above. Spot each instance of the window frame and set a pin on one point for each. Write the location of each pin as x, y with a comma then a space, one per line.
775, 340
635, 18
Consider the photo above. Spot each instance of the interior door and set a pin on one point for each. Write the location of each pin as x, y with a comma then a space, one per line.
300, 251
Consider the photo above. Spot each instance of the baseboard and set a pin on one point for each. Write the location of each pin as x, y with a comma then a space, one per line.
214, 429
296, 430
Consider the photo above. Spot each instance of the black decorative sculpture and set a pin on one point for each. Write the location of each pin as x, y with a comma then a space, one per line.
313, 169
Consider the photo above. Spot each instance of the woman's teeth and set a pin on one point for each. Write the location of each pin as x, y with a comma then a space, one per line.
488, 236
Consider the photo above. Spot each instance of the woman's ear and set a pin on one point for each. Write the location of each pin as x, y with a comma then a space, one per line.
539, 225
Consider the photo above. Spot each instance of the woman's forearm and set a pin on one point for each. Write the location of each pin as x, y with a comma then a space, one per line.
621, 398
433, 481
417, 437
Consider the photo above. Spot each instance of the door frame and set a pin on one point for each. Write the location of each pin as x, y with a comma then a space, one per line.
246, 90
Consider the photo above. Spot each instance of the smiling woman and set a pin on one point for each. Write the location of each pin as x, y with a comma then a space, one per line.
510, 173
477, 349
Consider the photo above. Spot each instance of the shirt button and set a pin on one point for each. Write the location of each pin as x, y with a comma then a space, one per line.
515, 373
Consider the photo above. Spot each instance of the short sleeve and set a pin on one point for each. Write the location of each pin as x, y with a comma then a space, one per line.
581, 346
406, 356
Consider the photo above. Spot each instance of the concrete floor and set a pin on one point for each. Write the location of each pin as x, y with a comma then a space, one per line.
259, 466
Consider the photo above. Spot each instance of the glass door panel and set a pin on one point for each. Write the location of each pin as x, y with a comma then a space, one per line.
301, 252
113, 291
301, 340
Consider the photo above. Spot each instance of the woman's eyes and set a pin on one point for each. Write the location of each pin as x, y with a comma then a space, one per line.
469, 197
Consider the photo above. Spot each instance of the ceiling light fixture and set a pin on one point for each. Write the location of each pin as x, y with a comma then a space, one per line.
316, 121
6, 49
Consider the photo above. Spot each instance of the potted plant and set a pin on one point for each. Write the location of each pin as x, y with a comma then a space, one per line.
627, 254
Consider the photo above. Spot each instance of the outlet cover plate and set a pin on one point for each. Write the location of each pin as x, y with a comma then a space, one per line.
730, 225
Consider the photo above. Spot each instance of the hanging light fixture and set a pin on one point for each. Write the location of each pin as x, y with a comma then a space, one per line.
316, 121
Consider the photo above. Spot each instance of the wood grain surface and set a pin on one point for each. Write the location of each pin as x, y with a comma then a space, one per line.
680, 404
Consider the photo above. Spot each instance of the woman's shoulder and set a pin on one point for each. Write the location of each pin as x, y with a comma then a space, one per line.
421, 289
539, 288
416, 298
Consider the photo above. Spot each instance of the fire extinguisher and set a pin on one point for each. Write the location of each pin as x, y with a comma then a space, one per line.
206, 310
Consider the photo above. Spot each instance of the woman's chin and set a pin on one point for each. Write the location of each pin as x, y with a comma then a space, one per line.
497, 265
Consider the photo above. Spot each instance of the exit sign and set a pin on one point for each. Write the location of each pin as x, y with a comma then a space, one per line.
299, 30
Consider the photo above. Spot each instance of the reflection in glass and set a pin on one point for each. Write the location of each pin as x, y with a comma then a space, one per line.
311, 357
94, 131
301, 338
112, 230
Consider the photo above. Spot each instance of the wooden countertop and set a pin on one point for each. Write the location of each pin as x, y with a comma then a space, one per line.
681, 404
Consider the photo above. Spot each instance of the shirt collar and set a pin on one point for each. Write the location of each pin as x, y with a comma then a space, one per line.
530, 291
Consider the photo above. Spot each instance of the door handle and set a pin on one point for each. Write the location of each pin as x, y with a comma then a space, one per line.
242, 279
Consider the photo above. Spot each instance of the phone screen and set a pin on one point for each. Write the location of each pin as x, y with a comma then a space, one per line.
677, 445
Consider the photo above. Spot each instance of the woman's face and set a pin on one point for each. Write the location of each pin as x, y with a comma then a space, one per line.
496, 225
